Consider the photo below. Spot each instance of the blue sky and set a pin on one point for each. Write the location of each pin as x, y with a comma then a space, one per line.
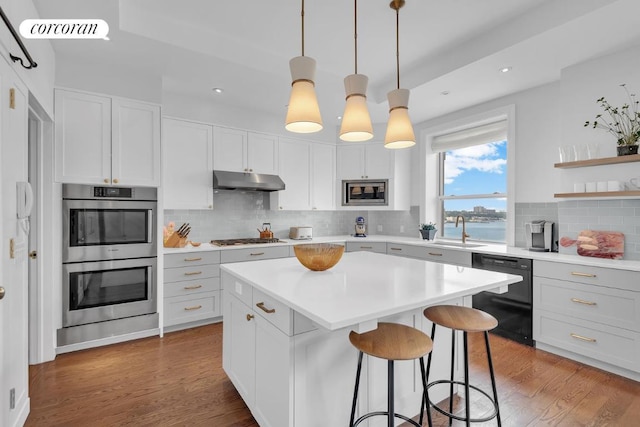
479, 169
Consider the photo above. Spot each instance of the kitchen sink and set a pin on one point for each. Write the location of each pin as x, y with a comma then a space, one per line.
458, 244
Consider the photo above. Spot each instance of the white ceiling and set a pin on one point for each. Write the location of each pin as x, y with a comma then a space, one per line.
244, 46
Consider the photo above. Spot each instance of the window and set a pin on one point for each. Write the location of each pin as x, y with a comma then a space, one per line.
473, 181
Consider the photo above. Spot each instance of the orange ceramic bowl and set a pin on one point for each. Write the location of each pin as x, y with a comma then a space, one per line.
319, 256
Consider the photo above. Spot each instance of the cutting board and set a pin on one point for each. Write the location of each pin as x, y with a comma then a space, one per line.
598, 244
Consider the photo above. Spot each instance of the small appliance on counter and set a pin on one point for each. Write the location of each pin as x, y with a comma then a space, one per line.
361, 228
540, 236
301, 233
266, 232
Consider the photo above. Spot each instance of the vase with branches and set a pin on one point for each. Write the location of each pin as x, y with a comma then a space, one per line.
622, 122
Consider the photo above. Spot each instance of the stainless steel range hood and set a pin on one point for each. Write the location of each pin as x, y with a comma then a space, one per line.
226, 180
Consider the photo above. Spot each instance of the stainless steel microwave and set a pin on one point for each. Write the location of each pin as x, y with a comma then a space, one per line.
366, 192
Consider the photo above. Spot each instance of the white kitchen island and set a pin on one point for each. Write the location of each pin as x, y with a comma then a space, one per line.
285, 333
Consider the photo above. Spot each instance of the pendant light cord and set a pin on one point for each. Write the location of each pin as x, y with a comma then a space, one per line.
398, 45
355, 34
302, 19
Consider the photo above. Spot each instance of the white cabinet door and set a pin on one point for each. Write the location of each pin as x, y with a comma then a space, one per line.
239, 346
294, 171
323, 160
187, 164
82, 138
377, 161
230, 150
350, 161
135, 143
274, 376
262, 153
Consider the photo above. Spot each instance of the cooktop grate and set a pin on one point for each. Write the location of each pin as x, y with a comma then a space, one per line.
247, 241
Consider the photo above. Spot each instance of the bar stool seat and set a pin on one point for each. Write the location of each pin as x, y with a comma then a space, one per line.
465, 319
390, 341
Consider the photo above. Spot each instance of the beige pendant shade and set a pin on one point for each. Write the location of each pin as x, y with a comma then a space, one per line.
303, 112
399, 129
356, 121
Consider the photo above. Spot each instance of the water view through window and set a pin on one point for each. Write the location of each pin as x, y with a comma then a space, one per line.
475, 186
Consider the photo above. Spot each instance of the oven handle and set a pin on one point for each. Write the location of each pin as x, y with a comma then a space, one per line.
151, 227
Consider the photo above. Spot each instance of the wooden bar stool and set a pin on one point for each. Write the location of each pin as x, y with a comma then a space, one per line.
391, 341
465, 319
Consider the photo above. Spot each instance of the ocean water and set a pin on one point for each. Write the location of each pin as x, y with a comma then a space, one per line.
487, 231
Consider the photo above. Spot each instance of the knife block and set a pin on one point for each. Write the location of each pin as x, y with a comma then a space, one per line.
175, 241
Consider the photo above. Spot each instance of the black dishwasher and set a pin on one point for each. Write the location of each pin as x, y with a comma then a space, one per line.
513, 309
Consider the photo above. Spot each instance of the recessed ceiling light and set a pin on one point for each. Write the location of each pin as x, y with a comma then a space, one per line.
445, 92
339, 117
217, 90
505, 69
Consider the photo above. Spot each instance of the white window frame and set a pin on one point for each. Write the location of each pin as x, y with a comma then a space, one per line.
431, 159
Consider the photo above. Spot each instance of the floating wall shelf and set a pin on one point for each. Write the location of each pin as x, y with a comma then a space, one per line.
599, 162
633, 193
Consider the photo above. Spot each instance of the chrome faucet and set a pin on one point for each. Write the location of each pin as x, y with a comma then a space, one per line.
464, 232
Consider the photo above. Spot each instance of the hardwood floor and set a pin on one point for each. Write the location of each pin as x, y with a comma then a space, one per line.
178, 381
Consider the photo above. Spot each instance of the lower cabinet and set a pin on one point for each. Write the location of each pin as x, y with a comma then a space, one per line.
290, 373
590, 314
379, 247
428, 253
191, 288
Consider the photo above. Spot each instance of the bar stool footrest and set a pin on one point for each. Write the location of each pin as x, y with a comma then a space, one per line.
459, 418
385, 413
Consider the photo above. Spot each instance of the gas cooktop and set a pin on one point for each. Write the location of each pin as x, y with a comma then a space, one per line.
248, 241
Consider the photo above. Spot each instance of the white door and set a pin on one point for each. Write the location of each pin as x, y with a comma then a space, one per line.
262, 153
14, 378
378, 161
323, 160
350, 161
230, 150
83, 138
135, 144
188, 164
294, 171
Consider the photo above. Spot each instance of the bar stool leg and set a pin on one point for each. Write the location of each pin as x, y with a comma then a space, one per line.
467, 401
390, 396
425, 395
453, 357
355, 392
493, 378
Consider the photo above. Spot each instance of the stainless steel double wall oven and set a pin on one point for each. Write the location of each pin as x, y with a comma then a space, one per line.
109, 252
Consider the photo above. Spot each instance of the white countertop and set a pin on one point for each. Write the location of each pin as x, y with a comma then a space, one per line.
363, 286
489, 248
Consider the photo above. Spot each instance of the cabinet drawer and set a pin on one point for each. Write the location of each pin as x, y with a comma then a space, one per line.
239, 289
379, 247
189, 259
610, 277
189, 308
274, 311
610, 306
408, 251
191, 272
448, 256
253, 254
188, 287
616, 346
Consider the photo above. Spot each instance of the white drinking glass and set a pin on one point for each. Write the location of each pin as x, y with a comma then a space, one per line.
593, 151
567, 153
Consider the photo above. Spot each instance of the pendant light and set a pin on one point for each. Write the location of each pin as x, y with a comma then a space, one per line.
356, 122
303, 113
399, 129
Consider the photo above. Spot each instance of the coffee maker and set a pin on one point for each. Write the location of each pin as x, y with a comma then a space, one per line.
539, 236
361, 228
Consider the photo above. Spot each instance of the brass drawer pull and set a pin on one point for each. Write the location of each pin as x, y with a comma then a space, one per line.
193, 259
366, 247
581, 301
195, 307
257, 254
189, 288
261, 306
434, 254
193, 273
249, 317
396, 249
580, 337
577, 273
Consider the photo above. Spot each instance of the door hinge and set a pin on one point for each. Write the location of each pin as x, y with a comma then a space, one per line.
12, 98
